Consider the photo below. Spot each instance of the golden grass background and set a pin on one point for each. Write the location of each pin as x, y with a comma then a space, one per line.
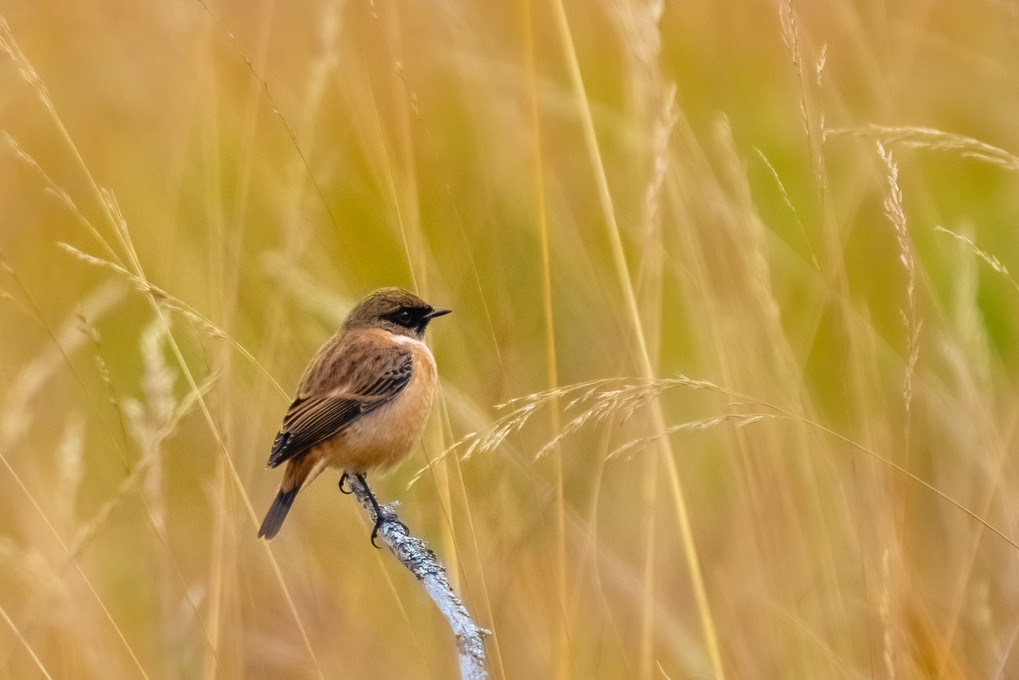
776, 236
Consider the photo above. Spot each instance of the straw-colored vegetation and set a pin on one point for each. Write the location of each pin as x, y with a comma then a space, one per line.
739, 274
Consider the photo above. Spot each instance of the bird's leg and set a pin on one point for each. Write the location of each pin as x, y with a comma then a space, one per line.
380, 519
343, 478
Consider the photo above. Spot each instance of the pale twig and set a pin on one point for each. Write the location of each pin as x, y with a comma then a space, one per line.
414, 554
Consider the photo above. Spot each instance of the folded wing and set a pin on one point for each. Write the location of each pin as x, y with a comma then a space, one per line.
313, 418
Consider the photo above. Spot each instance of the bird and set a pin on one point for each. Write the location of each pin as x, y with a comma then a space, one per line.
363, 400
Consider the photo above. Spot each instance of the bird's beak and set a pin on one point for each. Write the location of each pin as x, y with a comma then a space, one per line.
437, 312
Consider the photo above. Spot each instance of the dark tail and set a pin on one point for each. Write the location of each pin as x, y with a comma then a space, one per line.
277, 513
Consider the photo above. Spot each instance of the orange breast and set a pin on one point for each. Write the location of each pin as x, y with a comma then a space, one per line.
383, 437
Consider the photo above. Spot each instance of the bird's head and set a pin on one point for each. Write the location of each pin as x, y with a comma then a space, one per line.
395, 310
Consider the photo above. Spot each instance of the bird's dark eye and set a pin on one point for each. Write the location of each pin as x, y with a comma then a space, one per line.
405, 317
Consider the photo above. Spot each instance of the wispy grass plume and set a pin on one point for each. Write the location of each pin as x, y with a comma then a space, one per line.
593, 403
931, 138
910, 316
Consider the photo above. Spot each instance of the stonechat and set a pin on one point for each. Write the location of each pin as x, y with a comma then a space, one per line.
362, 402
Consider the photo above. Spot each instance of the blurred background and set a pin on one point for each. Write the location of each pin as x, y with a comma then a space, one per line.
739, 272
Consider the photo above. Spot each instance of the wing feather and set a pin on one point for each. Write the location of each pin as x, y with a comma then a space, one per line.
313, 418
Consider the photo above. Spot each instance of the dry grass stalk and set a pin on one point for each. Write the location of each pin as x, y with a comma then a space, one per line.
153, 420
25, 643
172, 303
10, 47
59, 193
789, 22
151, 435
16, 414
70, 467
329, 27
789, 204
993, 262
736, 419
887, 622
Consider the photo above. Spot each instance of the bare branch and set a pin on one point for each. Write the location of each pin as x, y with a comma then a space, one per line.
414, 554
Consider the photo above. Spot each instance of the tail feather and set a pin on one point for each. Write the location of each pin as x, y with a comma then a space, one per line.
277, 513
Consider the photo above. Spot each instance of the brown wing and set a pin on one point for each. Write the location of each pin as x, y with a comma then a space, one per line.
313, 418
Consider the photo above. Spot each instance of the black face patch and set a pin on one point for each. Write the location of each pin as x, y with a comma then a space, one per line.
410, 317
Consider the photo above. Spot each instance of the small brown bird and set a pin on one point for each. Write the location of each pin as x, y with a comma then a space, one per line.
362, 402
